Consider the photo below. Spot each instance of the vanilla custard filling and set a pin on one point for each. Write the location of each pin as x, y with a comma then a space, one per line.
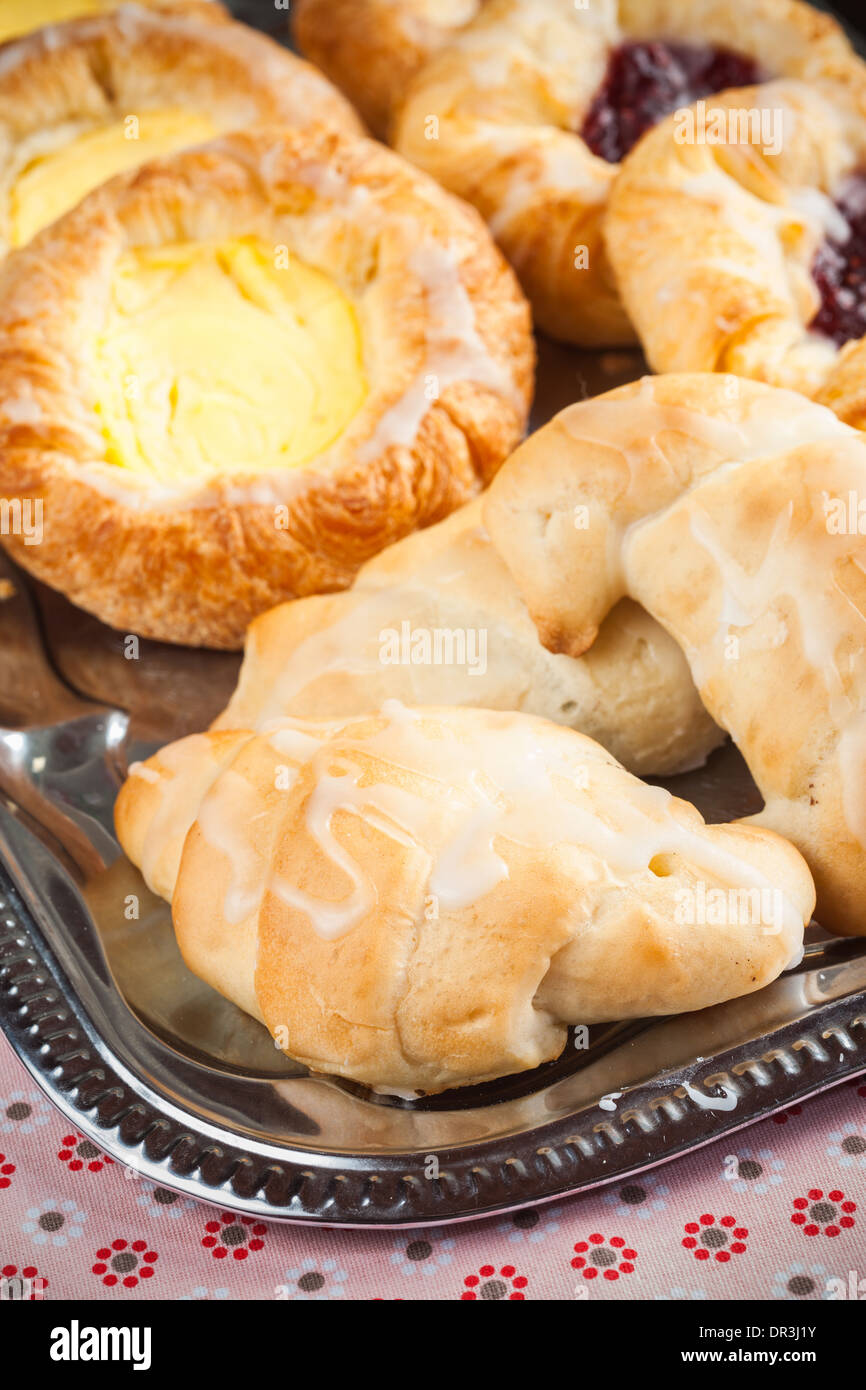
219, 358
56, 180
23, 16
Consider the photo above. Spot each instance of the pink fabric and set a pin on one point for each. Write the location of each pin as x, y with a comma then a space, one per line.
774, 1212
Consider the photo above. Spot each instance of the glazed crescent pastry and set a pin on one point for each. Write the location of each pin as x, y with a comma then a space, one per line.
235, 375
373, 48
730, 511
528, 110
19, 17
87, 100
426, 898
744, 222
438, 618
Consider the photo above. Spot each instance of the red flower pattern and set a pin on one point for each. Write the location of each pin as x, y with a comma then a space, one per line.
125, 1263
79, 1154
235, 1235
708, 1238
817, 1214
609, 1259
491, 1284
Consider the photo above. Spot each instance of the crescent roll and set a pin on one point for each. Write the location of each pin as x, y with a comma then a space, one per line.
528, 110
438, 619
734, 513
233, 376
738, 231
426, 898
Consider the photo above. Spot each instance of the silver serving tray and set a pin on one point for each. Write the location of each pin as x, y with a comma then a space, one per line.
169, 1078
175, 1082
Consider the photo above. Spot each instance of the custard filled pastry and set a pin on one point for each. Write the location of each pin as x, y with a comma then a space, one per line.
738, 235
426, 898
373, 48
734, 513
530, 108
439, 619
19, 17
235, 375
87, 100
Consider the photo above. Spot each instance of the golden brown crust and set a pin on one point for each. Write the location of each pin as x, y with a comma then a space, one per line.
723, 506
435, 301
494, 118
373, 48
723, 234
425, 898
63, 81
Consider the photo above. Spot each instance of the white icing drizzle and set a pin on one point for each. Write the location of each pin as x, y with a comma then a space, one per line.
464, 801
797, 566
454, 352
774, 422
798, 563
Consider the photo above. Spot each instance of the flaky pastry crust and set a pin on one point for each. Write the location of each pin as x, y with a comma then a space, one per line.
713, 242
495, 116
439, 618
62, 82
725, 508
436, 304
426, 898
373, 48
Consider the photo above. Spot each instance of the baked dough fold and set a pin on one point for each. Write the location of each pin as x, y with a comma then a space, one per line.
713, 230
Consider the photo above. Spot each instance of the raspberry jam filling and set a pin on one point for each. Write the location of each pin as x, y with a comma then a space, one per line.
839, 270
645, 81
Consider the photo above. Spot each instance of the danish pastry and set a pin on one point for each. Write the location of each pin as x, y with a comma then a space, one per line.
235, 375
528, 110
373, 48
23, 16
436, 619
733, 512
92, 98
751, 213
425, 898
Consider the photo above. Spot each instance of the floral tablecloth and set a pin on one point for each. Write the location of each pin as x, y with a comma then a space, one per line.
776, 1212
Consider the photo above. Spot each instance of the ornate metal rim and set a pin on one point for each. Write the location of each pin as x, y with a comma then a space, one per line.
53, 1036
